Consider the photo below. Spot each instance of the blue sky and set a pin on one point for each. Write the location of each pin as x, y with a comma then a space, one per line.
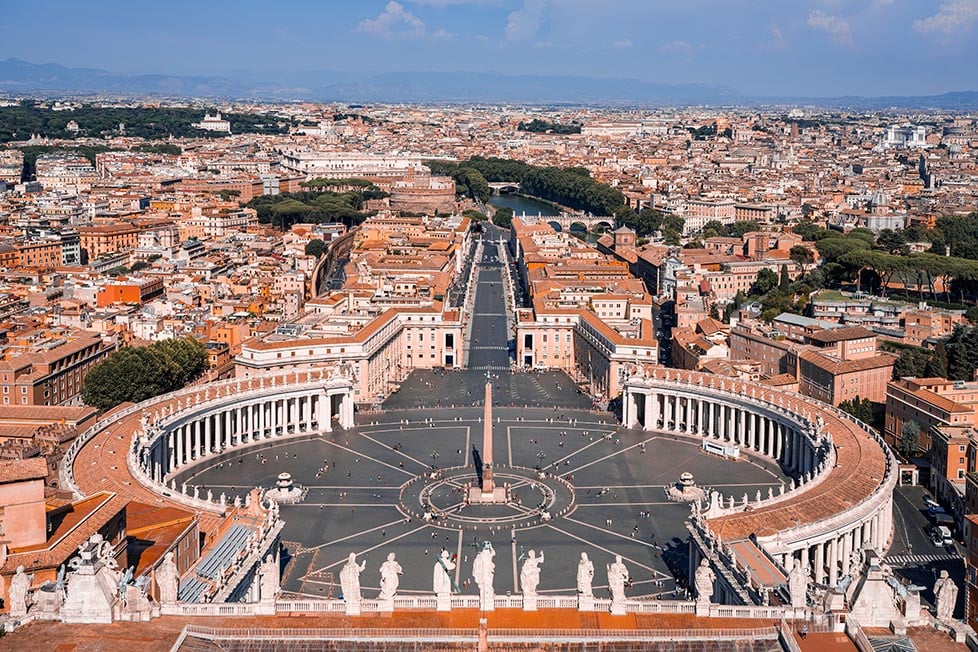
770, 47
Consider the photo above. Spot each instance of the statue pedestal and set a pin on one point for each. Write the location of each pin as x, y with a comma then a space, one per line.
352, 607
385, 606
618, 608
702, 608
585, 603
443, 603
529, 603
487, 603
91, 597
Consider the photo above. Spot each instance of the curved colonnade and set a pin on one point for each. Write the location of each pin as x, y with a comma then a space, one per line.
171, 432
840, 500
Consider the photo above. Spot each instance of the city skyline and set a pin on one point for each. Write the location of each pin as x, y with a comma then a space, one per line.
807, 49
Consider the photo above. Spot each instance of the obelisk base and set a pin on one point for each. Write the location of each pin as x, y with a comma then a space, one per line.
495, 497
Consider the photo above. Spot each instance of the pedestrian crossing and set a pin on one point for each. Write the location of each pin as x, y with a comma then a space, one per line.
901, 560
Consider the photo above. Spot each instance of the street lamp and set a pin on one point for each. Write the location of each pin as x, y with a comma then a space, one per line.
434, 456
540, 456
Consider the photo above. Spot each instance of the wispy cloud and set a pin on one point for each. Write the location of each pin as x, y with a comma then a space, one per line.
394, 20
623, 44
679, 47
836, 28
777, 41
524, 23
953, 16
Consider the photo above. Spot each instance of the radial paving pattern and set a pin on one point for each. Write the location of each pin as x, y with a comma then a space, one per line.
365, 496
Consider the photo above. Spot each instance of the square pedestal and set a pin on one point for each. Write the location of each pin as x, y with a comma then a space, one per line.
353, 608
618, 609
496, 497
529, 603
385, 606
443, 603
585, 603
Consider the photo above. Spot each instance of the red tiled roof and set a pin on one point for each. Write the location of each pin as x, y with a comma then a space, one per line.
34, 468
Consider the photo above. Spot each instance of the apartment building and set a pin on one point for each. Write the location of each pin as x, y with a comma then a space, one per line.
48, 368
931, 403
97, 241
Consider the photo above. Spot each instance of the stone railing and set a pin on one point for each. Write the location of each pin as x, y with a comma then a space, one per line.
256, 553
432, 635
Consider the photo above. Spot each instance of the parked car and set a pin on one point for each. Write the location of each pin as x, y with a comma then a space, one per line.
941, 536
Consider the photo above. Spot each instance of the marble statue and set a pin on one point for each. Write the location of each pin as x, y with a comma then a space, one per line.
483, 570
703, 580
585, 576
20, 585
269, 583
530, 573
798, 585
945, 596
617, 577
350, 579
442, 575
390, 570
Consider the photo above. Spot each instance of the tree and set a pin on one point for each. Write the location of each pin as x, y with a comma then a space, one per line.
503, 217
909, 442
137, 373
893, 242
766, 281
862, 409
738, 229
801, 255
316, 248
784, 281
911, 363
937, 365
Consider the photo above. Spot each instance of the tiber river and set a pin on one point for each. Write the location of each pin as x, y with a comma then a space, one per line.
531, 206
519, 204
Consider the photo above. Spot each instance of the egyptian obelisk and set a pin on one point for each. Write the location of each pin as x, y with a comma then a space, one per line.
488, 487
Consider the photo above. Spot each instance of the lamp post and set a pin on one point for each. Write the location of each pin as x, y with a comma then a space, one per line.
540, 456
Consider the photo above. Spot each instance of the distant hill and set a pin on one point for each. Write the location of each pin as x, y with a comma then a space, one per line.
21, 77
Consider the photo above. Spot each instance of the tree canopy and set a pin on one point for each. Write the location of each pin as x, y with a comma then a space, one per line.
314, 206
20, 121
571, 187
536, 125
137, 373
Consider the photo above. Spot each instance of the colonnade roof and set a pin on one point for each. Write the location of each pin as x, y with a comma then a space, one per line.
861, 464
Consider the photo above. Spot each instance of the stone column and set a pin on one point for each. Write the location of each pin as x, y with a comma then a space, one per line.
833, 561
819, 562
180, 435
325, 412
209, 432
653, 396
731, 423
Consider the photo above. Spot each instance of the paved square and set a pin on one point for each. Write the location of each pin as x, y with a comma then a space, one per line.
612, 500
